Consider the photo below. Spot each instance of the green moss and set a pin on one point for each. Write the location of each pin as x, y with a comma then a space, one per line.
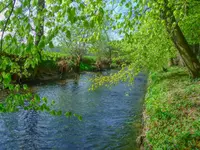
173, 111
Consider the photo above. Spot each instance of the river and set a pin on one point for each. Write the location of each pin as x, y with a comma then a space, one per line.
108, 118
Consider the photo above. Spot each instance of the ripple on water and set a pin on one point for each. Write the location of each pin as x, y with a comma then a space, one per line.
107, 116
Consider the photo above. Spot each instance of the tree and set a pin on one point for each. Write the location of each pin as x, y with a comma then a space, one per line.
180, 42
155, 29
73, 41
171, 14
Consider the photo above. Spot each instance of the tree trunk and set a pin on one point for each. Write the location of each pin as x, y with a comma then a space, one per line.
39, 31
110, 49
186, 53
196, 49
40, 28
189, 58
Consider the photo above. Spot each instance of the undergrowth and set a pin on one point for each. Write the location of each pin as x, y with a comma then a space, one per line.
172, 111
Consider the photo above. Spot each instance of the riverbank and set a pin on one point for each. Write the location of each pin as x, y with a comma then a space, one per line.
55, 66
172, 111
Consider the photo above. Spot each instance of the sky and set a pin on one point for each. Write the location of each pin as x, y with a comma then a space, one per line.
114, 35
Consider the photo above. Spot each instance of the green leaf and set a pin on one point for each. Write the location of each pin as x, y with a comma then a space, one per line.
53, 112
36, 98
44, 99
42, 43
68, 34
59, 113
68, 114
51, 44
25, 87
80, 118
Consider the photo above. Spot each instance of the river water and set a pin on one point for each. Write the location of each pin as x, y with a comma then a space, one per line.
108, 118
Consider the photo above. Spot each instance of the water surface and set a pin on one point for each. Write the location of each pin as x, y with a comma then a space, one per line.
108, 117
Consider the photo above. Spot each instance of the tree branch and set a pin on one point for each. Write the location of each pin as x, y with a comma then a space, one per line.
5, 7
3, 31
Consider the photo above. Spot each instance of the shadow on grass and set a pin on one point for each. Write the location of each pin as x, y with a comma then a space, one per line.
170, 76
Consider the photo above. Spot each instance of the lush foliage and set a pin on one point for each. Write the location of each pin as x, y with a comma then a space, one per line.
172, 111
148, 34
148, 43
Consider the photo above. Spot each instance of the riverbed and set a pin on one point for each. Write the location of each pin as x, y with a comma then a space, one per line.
109, 118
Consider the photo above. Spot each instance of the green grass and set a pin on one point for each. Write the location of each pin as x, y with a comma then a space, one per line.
85, 67
89, 59
172, 111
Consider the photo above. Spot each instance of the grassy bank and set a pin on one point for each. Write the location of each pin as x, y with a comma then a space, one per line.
172, 115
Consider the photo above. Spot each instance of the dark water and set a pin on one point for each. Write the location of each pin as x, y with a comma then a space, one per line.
108, 118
